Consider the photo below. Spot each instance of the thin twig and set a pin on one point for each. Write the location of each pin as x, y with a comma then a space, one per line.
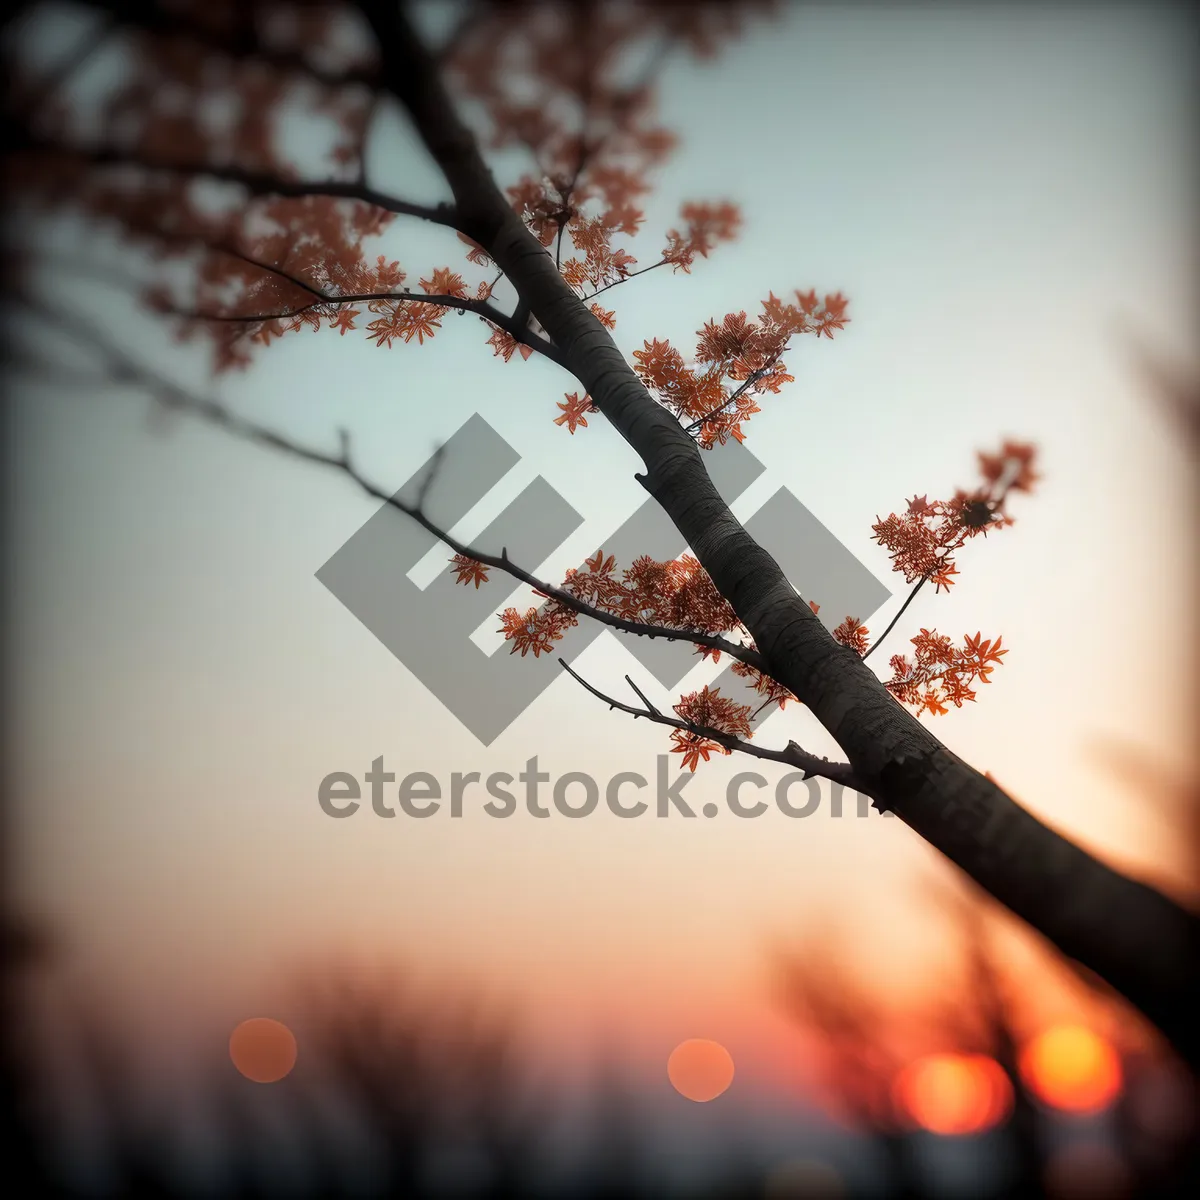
793, 755
257, 183
734, 396
176, 398
481, 308
911, 596
641, 696
626, 278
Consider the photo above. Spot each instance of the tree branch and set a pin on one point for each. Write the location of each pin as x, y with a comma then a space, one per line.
792, 756
911, 597
215, 413
481, 308
733, 396
515, 326
257, 183
1129, 933
662, 262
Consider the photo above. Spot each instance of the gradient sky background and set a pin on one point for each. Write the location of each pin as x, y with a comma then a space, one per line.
1005, 196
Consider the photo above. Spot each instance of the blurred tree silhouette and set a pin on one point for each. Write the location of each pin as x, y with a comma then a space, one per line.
862, 1044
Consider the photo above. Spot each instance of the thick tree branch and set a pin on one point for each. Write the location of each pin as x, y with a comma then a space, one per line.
1134, 937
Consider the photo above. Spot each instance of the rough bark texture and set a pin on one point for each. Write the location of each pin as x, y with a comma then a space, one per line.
1139, 941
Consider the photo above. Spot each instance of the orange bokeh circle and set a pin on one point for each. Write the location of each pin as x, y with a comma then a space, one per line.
700, 1069
954, 1094
262, 1049
1071, 1068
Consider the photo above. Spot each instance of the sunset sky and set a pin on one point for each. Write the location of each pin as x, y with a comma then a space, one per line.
1004, 195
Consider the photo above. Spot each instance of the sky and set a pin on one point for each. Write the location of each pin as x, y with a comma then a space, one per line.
1005, 195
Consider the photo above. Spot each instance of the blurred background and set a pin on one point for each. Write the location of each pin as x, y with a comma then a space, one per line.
212, 988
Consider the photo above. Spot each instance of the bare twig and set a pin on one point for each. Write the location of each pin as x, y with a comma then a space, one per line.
625, 278
911, 597
793, 755
175, 398
257, 183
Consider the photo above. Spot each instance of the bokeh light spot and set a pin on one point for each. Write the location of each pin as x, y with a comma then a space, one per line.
954, 1094
700, 1069
1072, 1069
262, 1049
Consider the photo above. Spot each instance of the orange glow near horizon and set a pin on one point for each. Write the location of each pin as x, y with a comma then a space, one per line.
263, 1050
700, 1069
954, 1094
1071, 1068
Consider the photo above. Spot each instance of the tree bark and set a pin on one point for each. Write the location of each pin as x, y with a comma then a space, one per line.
1136, 939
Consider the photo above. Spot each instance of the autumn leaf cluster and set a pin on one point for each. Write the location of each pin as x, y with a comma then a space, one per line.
736, 360
679, 595
923, 540
922, 543
183, 154
247, 241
